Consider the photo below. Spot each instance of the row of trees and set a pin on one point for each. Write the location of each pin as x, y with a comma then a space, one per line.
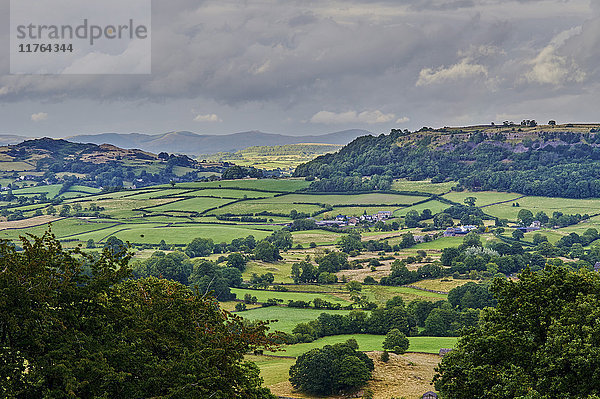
266, 250
541, 341
75, 325
440, 319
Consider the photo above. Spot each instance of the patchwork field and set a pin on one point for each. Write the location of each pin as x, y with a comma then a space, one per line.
283, 185
434, 205
360, 199
286, 318
546, 204
199, 204
263, 296
369, 342
266, 205
424, 186
483, 198
319, 237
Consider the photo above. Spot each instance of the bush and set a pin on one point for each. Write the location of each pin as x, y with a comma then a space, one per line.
331, 369
240, 307
396, 341
385, 356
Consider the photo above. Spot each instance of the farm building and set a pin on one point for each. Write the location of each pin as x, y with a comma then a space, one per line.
458, 231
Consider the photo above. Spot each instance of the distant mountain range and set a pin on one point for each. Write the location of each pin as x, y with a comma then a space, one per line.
9, 139
193, 144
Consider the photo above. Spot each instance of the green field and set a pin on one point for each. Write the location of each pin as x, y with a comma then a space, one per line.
145, 233
270, 205
64, 228
483, 197
263, 296
198, 204
369, 342
350, 199
434, 206
546, 204
16, 166
281, 270
53, 190
381, 294
287, 318
424, 186
184, 234
228, 193
152, 194
356, 211
284, 186
317, 236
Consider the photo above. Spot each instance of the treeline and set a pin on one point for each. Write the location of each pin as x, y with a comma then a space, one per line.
352, 243
560, 169
218, 276
240, 172
324, 273
442, 318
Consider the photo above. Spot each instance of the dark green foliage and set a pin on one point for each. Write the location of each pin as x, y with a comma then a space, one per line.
396, 342
471, 295
66, 333
173, 266
115, 246
543, 170
331, 369
525, 216
385, 356
266, 252
200, 247
304, 272
303, 224
517, 234
240, 172
420, 310
443, 220
237, 260
351, 242
208, 278
333, 262
541, 341
281, 240
369, 280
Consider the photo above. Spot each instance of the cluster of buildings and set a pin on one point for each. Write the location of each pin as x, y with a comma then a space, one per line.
458, 231
536, 225
344, 220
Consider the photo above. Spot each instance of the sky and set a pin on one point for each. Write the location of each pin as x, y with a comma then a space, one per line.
313, 67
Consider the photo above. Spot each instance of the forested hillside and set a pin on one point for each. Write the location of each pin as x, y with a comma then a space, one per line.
555, 161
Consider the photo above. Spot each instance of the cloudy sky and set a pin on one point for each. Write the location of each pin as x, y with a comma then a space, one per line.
300, 66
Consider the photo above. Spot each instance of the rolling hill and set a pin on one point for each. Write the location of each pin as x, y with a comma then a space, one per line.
52, 161
549, 160
189, 143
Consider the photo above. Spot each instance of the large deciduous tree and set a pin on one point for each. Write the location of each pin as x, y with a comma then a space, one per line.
73, 325
331, 369
541, 341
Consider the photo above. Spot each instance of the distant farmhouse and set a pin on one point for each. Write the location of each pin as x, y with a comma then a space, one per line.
536, 225
458, 231
344, 220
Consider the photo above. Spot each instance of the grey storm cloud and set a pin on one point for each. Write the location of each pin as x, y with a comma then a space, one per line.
350, 57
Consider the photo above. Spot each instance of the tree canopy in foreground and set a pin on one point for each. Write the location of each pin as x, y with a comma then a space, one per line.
541, 341
331, 369
73, 325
